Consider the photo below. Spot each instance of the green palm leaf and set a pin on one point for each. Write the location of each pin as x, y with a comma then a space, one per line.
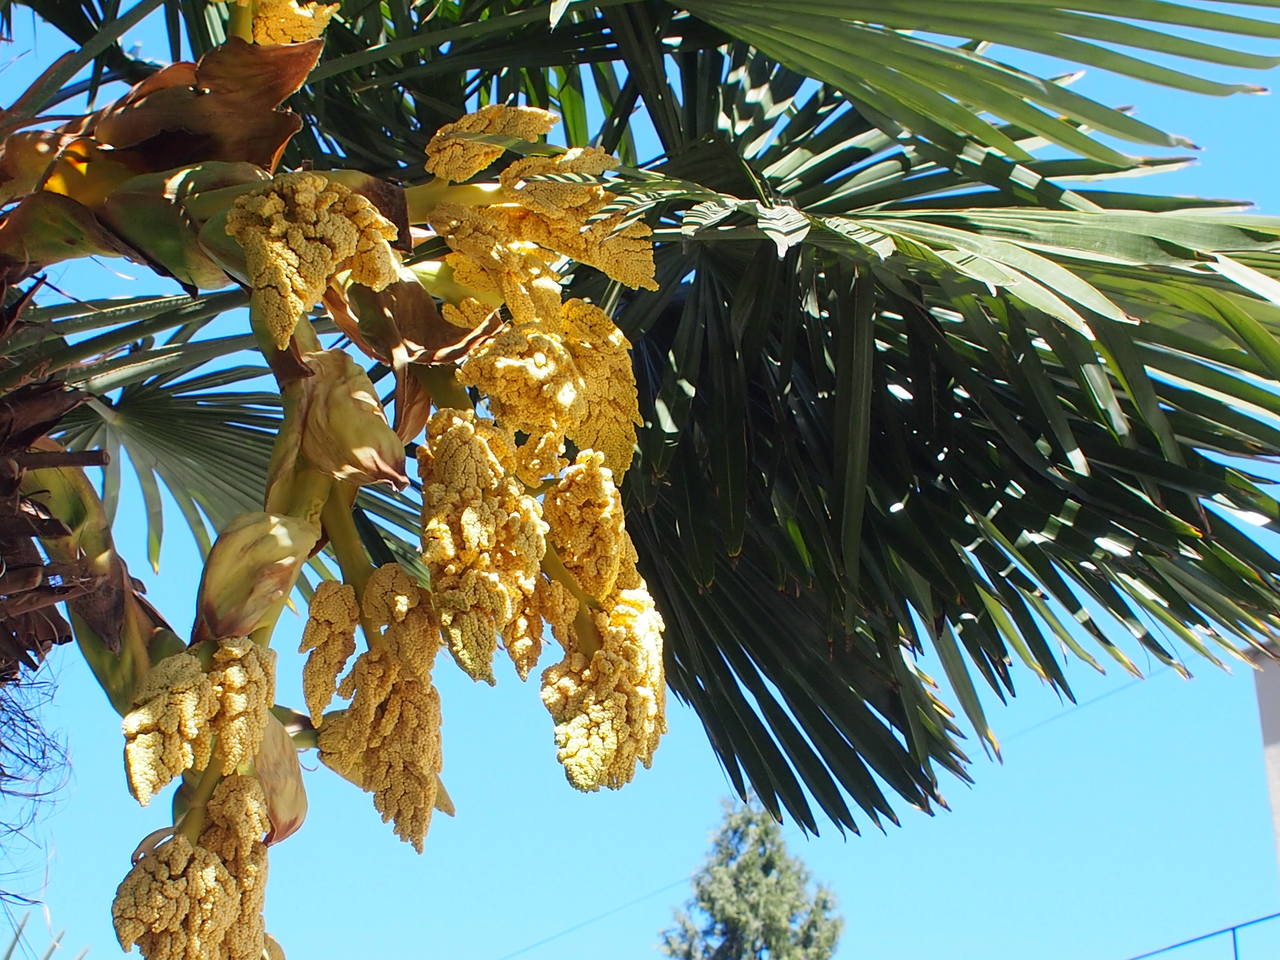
907, 386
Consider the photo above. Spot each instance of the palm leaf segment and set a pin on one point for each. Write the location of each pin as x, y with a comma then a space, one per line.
905, 390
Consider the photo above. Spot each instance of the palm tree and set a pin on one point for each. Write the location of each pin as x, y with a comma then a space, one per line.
906, 384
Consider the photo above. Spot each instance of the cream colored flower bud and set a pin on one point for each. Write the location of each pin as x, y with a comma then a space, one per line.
346, 433
252, 567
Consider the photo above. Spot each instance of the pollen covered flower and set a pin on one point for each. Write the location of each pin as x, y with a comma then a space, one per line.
237, 822
467, 313
388, 740
489, 260
287, 21
601, 353
244, 681
557, 199
482, 537
534, 387
168, 730
609, 707
177, 903
297, 231
455, 158
330, 637
586, 525
620, 250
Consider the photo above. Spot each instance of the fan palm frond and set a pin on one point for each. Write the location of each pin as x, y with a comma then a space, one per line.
908, 385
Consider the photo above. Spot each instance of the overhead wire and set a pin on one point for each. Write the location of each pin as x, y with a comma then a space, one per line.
598, 917
675, 883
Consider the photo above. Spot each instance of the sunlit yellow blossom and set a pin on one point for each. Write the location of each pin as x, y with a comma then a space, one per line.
620, 250
482, 537
468, 313
389, 595
586, 525
553, 198
522, 637
244, 679
601, 353
488, 259
287, 21
168, 729
237, 822
533, 386
609, 708
412, 636
454, 158
402, 762
330, 636
396, 754
177, 903
297, 231
388, 740
558, 607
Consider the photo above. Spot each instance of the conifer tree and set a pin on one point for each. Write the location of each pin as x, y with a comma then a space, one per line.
752, 900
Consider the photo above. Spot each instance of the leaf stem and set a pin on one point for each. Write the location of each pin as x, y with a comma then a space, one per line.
353, 558
193, 819
425, 197
240, 21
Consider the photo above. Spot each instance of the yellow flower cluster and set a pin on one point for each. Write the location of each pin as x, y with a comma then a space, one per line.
557, 199
541, 213
388, 740
486, 259
168, 729
538, 378
607, 701
287, 21
181, 712
483, 538
330, 636
533, 386
608, 706
621, 251
177, 903
455, 158
586, 524
244, 680
467, 313
237, 822
297, 231
602, 354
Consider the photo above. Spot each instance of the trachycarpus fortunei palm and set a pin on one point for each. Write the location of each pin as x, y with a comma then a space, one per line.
501, 377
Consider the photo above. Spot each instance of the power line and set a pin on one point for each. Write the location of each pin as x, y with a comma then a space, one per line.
586, 923
1205, 936
1023, 732
1088, 703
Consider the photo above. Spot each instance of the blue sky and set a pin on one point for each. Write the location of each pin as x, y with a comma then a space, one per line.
1136, 819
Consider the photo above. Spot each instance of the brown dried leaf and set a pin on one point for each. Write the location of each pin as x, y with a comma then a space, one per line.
220, 109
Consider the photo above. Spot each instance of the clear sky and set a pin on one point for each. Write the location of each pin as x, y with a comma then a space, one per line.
1134, 820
